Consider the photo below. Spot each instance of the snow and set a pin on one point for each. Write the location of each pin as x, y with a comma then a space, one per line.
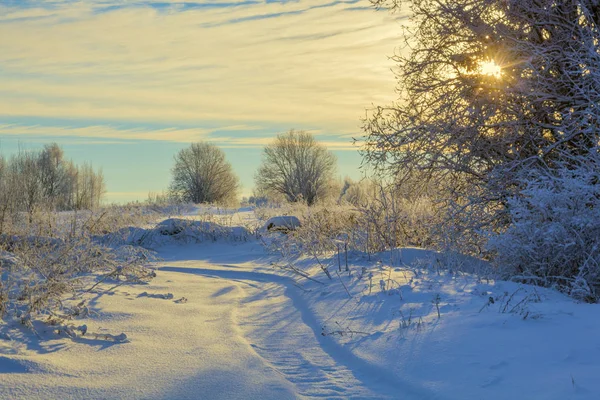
223, 319
281, 222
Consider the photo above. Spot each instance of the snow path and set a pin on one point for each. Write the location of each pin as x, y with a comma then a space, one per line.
245, 332
278, 326
191, 350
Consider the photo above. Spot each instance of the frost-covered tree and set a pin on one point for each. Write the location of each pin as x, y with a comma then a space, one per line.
8, 194
499, 107
51, 170
24, 166
31, 180
89, 188
358, 193
297, 166
202, 175
489, 89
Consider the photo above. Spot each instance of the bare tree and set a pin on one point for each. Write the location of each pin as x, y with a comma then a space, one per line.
202, 175
9, 192
29, 188
50, 163
489, 90
296, 166
69, 196
31, 181
89, 188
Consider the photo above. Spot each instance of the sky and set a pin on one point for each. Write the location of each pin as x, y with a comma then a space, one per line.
124, 85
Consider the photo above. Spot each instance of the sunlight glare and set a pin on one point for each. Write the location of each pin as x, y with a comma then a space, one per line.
490, 68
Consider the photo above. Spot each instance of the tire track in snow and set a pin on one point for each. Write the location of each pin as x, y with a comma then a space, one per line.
276, 322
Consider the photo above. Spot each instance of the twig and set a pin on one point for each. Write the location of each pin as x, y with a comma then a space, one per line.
301, 273
322, 266
343, 284
509, 299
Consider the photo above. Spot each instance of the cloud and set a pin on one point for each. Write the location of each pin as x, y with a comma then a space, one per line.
247, 136
108, 132
304, 64
229, 142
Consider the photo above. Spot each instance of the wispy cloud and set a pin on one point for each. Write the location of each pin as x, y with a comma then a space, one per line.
230, 142
306, 64
247, 136
109, 132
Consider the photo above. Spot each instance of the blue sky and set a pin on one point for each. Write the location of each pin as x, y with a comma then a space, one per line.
126, 84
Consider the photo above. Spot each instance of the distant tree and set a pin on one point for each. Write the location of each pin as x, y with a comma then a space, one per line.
24, 166
357, 193
202, 175
32, 180
51, 170
9, 193
89, 188
296, 166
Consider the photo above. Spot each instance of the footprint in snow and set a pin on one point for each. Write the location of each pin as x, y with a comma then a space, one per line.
164, 296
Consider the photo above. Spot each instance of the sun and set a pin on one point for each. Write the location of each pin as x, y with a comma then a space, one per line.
490, 68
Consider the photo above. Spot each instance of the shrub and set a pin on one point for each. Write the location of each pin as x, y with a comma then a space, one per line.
44, 277
554, 235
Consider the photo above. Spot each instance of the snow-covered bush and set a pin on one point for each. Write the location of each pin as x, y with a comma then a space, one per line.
323, 227
385, 222
49, 260
44, 277
175, 230
199, 231
393, 220
282, 223
48, 223
553, 238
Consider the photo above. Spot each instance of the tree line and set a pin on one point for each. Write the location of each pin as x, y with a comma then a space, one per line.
32, 180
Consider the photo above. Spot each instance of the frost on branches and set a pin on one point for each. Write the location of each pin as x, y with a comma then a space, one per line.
499, 107
554, 236
48, 278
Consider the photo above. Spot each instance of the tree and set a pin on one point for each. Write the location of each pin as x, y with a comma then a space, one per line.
489, 90
296, 166
50, 164
9, 193
202, 175
88, 188
25, 166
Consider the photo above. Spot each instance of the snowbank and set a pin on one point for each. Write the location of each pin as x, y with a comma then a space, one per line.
175, 230
454, 335
283, 223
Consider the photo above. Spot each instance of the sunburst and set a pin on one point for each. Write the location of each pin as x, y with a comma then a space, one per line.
490, 68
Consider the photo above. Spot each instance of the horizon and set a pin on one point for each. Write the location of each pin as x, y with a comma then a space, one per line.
125, 85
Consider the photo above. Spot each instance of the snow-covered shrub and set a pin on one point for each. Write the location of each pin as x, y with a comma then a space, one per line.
387, 220
553, 238
282, 223
116, 217
392, 220
44, 277
165, 204
48, 223
199, 231
324, 227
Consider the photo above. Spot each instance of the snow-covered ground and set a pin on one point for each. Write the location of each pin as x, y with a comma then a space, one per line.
222, 320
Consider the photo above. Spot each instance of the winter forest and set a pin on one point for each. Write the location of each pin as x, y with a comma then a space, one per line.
463, 263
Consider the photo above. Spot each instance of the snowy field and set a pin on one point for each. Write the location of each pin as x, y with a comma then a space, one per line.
224, 320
